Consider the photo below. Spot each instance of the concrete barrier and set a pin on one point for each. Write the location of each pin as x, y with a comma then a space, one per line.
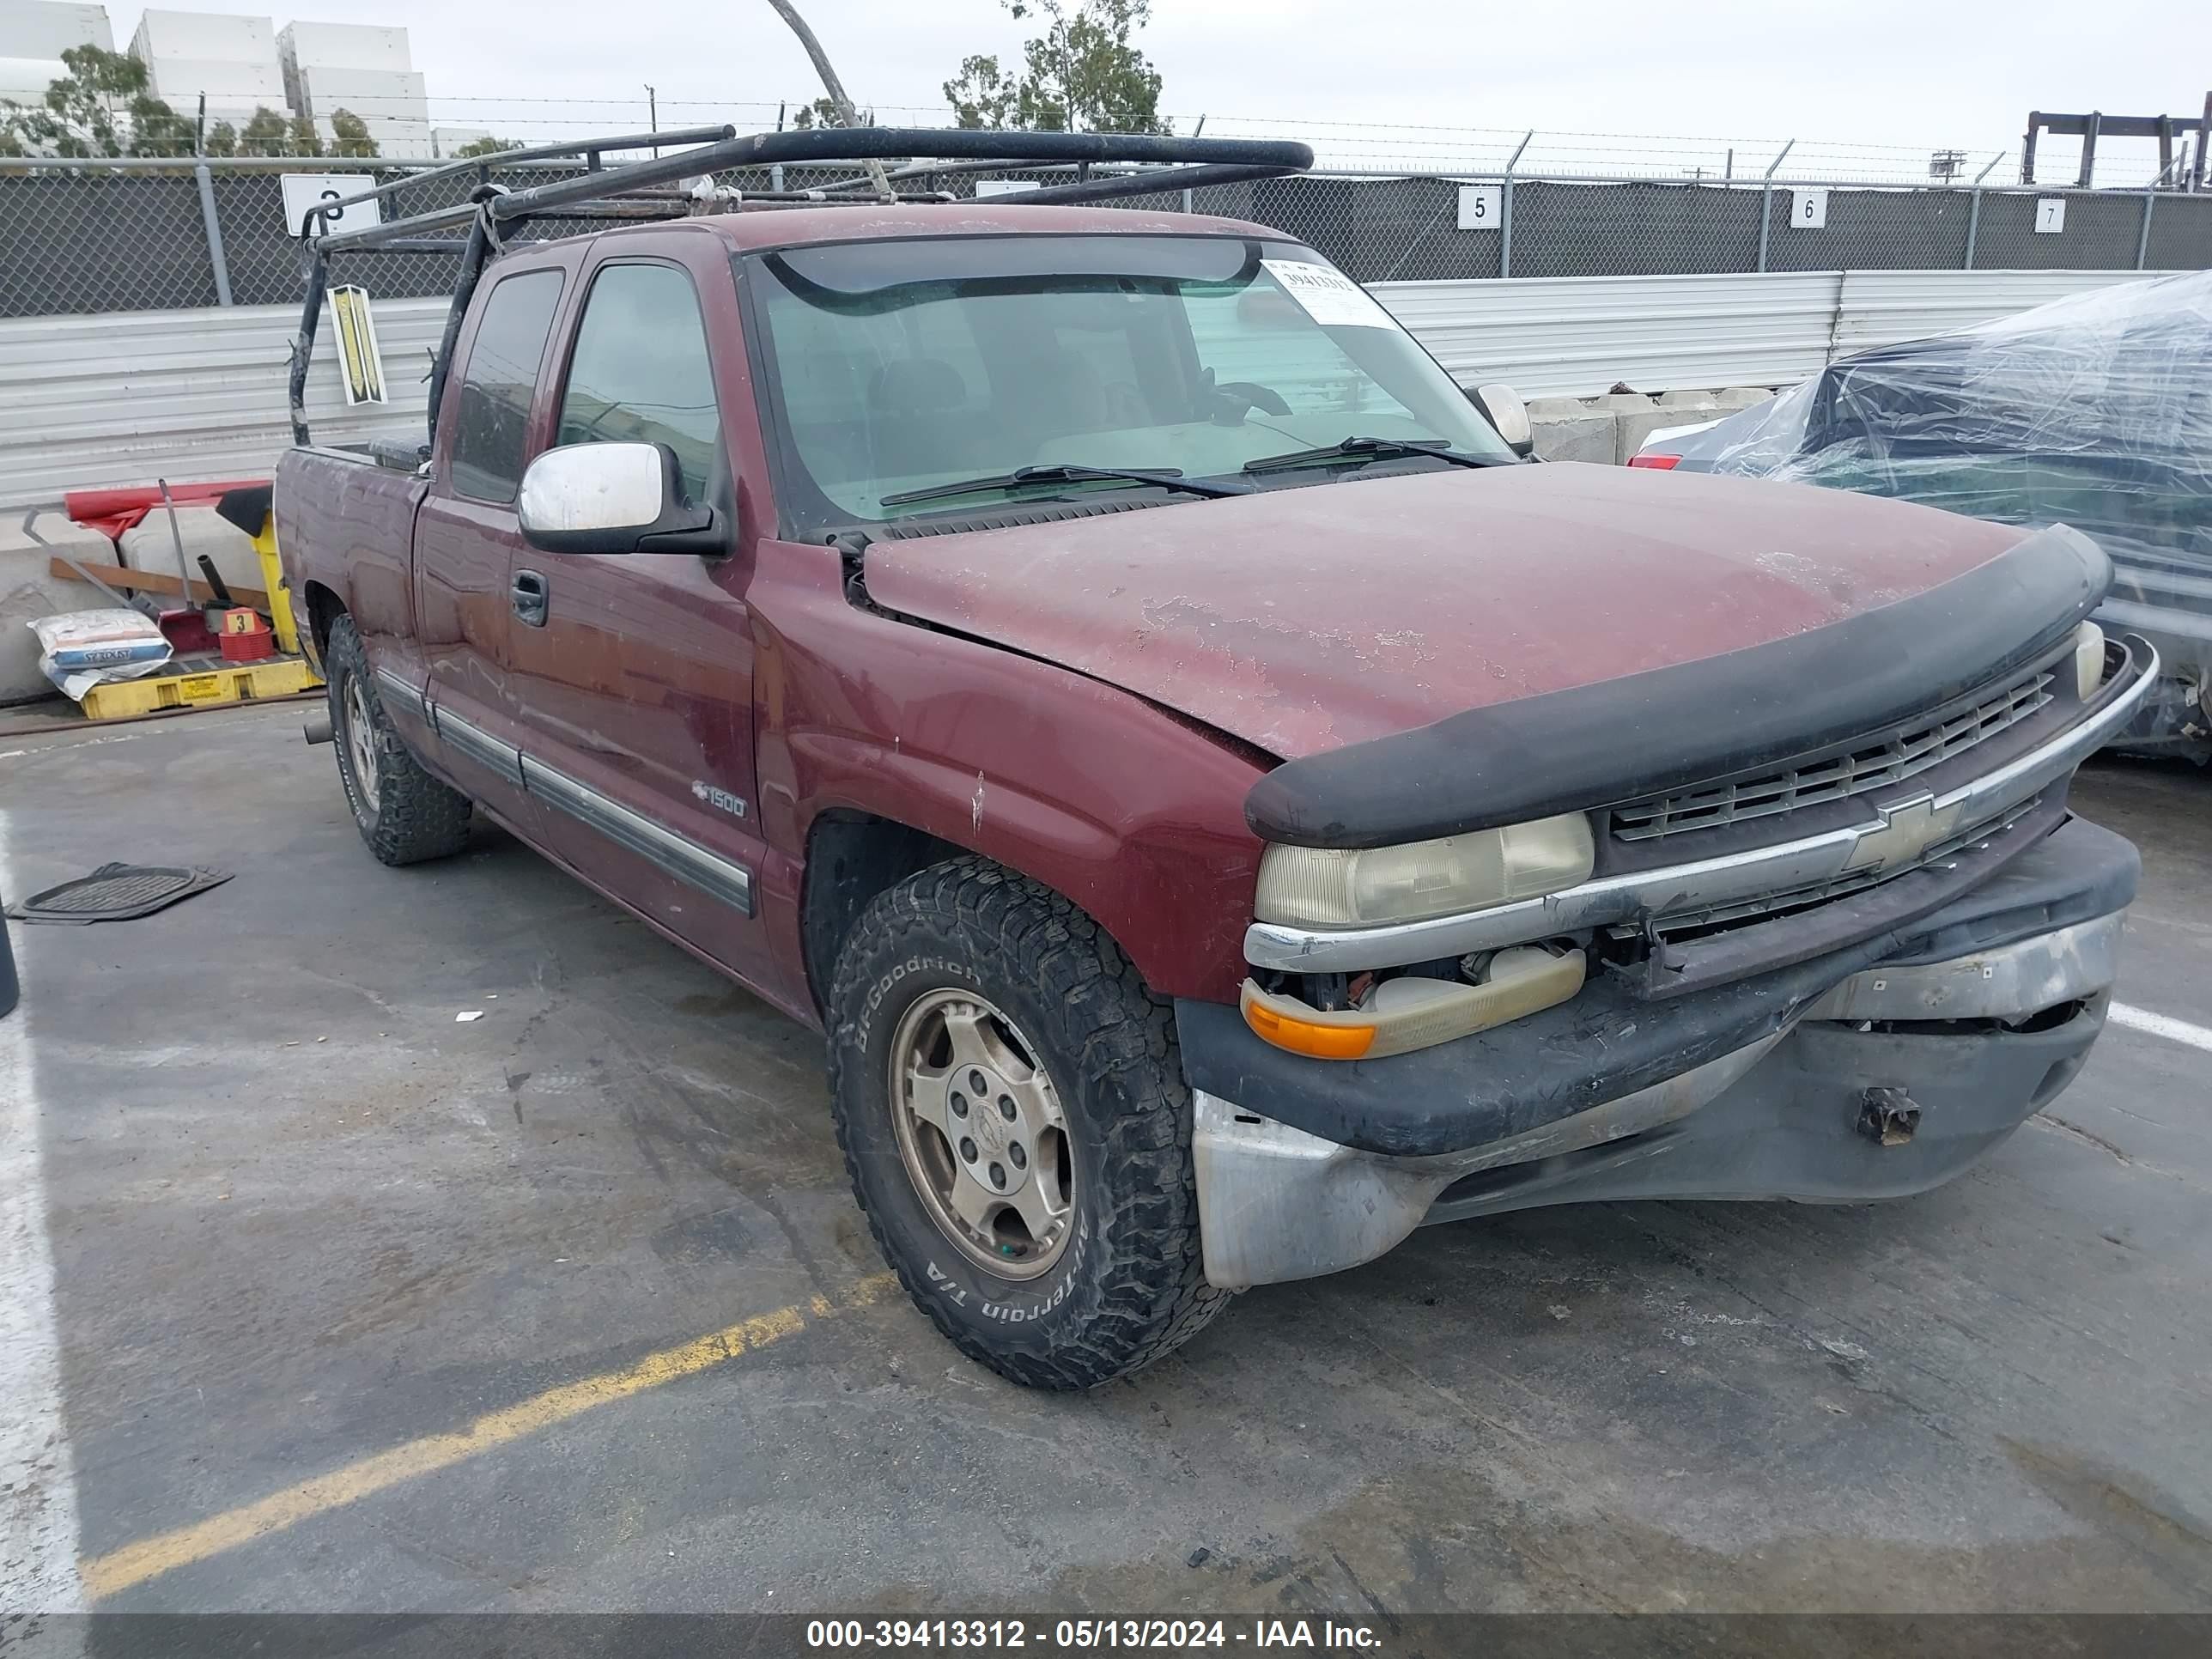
28, 589
1631, 427
27, 592
1614, 426
1583, 436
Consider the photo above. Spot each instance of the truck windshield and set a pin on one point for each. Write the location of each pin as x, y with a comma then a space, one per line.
900, 367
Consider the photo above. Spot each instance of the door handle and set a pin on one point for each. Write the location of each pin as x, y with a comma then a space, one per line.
528, 592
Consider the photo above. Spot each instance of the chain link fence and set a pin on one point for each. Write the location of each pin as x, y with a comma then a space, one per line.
94, 237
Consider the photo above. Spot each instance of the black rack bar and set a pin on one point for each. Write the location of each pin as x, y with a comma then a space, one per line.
951, 170
1170, 180
946, 170
1255, 158
618, 208
394, 230
749, 200
592, 149
473, 257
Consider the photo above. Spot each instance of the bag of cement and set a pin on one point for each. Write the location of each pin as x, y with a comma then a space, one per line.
80, 649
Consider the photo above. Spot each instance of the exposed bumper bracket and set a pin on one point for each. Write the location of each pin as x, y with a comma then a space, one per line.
1887, 1116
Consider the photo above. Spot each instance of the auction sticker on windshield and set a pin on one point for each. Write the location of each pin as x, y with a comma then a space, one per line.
1330, 298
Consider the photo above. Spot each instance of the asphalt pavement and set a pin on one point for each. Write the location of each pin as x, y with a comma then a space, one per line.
329, 1299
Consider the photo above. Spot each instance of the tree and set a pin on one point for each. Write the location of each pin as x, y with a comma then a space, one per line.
220, 139
264, 135
983, 95
304, 140
351, 134
486, 146
157, 129
101, 107
824, 113
1083, 73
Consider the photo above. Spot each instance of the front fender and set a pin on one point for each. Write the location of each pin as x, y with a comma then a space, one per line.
1132, 812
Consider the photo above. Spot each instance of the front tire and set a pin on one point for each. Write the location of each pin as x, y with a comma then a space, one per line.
403, 814
1012, 1112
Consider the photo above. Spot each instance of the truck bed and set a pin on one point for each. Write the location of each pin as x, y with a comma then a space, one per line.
345, 521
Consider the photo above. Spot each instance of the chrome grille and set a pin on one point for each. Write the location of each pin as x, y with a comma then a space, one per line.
1767, 906
1869, 764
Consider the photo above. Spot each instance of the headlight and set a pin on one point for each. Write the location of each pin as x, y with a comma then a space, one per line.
1325, 887
2089, 660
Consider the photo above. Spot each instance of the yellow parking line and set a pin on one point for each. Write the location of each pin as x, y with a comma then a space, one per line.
149, 1558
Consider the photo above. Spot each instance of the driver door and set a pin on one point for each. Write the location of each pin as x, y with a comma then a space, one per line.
632, 674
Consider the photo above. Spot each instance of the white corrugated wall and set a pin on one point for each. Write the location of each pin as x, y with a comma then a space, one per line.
1566, 336
1575, 336
1879, 308
125, 397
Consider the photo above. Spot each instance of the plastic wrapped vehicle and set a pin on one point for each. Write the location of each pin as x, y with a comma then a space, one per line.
2094, 411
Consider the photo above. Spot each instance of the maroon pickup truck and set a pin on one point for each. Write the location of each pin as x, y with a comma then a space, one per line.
1224, 805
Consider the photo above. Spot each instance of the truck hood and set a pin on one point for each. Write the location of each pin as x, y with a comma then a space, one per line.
1301, 620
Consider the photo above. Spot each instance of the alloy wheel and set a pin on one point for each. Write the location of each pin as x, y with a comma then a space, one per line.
981, 1132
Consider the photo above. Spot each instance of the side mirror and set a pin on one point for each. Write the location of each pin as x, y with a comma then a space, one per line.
614, 498
1502, 406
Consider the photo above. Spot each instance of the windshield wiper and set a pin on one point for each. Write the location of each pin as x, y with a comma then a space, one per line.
1373, 449
1056, 473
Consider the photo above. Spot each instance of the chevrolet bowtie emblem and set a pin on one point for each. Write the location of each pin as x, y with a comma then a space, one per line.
1908, 828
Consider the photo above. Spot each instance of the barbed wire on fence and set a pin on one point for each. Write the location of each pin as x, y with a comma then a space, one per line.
1344, 145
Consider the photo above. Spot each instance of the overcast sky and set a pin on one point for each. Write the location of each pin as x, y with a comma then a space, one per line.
1919, 73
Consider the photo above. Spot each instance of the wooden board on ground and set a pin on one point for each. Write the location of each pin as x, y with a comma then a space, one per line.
152, 581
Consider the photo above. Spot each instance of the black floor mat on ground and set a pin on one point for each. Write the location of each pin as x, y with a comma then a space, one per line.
117, 892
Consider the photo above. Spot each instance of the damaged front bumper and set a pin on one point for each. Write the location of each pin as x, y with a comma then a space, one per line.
1872, 1072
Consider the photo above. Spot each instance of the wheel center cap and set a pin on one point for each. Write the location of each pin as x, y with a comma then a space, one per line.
991, 1131
997, 1166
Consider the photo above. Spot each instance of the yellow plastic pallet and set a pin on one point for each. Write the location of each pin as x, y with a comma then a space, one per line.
207, 684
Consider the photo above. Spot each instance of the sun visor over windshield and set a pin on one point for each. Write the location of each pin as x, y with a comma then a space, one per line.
851, 270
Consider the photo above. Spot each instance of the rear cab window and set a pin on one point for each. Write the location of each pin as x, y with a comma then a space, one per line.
492, 420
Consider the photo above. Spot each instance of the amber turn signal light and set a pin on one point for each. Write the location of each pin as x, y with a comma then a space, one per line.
1414, 1012
1322, 1041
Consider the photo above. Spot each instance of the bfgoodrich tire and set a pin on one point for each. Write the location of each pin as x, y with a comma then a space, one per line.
403, 814
1013, 1116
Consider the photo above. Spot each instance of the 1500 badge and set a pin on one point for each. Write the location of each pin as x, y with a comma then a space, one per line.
733, 804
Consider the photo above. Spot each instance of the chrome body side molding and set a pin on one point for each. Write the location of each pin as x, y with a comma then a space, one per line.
710, 872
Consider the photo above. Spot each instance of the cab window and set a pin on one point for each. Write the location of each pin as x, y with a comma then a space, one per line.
497, 387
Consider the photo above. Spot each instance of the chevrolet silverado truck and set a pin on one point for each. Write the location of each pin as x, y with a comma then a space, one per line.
1223, 804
